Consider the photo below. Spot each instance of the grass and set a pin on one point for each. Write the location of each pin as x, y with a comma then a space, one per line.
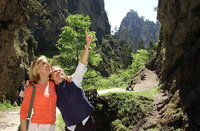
4, 106
59, 122
148, 93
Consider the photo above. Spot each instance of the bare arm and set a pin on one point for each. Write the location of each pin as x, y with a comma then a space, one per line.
23, 125
84, 57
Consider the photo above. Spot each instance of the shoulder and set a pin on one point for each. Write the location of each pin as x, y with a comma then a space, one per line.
28, 90
29, 87
51, 83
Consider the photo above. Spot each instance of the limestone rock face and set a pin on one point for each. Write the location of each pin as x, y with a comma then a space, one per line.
52, 19
46, 26
178, 59
12, 17
137, 28
95, 9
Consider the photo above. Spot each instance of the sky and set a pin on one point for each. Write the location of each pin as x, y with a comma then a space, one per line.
117, 9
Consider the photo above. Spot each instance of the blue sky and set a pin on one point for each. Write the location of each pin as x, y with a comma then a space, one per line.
117, 9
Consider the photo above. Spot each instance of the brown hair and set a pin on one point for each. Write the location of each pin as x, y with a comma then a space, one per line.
57, 66
33, 73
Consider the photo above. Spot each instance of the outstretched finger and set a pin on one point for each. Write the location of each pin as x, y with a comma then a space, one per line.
86, 32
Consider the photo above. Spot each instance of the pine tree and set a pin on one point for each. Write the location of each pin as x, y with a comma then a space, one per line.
140, 44
151, 45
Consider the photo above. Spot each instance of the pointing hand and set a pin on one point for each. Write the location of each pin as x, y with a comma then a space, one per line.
88, 39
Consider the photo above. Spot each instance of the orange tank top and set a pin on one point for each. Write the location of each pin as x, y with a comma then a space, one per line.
44, 105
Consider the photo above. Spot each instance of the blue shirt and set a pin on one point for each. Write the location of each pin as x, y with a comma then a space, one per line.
71, 99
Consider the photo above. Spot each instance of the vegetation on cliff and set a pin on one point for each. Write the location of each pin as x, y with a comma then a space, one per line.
135, 29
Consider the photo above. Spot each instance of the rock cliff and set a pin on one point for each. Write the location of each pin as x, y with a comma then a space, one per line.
12, 18
95, 9
137, 28
47, 26
178, 63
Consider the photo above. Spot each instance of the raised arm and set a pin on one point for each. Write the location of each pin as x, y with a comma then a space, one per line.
81, 68
84, 57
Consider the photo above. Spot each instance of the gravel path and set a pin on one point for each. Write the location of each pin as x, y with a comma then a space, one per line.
111, 90
151, 80
9, 120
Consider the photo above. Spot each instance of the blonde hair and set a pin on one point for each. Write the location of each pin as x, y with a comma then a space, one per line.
33, 73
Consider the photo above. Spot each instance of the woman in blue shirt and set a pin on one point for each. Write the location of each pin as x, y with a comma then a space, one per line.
75, 108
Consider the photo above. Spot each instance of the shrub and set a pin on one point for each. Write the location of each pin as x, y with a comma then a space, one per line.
119, 110
7, 106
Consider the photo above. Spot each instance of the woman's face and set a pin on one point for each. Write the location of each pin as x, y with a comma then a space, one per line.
57, 74
44, 68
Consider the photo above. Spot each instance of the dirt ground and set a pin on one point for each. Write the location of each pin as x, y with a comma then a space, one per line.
10, 119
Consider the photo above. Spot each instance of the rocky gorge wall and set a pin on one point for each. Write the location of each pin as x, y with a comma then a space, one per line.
178, 63
95, 9
12, 18
47, 26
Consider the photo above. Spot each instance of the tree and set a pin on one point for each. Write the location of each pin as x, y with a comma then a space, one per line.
140, 44
151, 45
72, 43
151, 48
139, 59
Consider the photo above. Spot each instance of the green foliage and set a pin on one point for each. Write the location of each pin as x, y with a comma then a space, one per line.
72, 43
118, 126
115, 53
90, 78
7, 105
117, 111
118, 80
121, 78
151, 46
59, 122
33, 7
140, 44
25, 41
121, 109
140, 58
25, 44
148, 93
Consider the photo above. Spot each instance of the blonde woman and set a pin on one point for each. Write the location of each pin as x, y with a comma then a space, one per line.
44, 105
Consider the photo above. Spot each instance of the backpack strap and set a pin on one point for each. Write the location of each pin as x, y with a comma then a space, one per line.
31, 102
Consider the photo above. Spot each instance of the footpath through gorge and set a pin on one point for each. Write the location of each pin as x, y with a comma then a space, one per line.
144, 80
